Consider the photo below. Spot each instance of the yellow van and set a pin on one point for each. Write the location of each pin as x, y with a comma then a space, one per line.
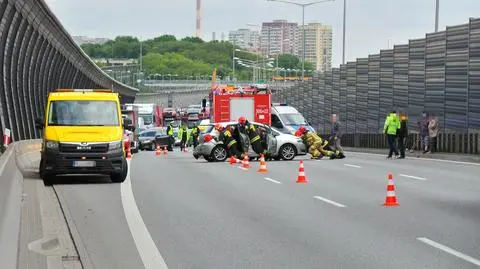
83, 135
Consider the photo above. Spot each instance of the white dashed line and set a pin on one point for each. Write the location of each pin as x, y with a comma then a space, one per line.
151, 257
449, 250
243, 168
412, 177
328, 201
352, 165
273, 180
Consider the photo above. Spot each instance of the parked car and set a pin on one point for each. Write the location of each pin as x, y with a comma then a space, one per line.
147, 139
280, 146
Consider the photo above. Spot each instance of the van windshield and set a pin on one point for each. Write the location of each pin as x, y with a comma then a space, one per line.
83, 113
293, 119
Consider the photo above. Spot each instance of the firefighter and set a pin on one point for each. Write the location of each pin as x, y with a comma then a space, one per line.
171, 139
183, 136
226, 136
195, 133
317, 147
249, 129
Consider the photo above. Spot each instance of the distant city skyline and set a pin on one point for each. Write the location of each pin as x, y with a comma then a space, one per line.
371, 26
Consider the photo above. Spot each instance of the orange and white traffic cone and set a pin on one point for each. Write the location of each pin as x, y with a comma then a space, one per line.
165, 151
233, 160
158, 151
263, 165
391, 199
246, 164
129, 153
301, 174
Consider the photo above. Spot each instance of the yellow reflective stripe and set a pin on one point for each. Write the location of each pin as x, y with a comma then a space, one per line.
231, 143
255, 139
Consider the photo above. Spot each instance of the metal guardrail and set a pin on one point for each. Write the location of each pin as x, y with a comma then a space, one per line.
439, 73
446, 142
38, 56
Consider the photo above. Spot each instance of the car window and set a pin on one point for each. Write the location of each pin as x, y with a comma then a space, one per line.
276, 122
151, 134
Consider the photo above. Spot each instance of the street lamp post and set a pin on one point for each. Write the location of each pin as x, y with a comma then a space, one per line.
437, 7
344, 28
303, 6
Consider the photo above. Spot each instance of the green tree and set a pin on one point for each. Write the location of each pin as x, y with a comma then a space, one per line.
193, 39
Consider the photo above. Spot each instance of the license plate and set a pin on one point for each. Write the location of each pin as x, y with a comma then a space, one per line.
84, 164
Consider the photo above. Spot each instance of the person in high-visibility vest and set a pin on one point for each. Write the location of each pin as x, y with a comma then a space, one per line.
183, 136
171, 139
391, 126
195, 135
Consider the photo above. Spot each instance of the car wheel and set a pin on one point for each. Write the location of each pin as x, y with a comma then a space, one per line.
219, 154
288, 152
119, 178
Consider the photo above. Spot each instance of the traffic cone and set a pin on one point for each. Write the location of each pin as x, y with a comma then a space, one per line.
301, 174
263, 165
165, 151
158, 152
391, 199
129, 153
246, 164
233, 160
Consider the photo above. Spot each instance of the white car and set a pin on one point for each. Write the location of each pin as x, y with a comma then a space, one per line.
281, 146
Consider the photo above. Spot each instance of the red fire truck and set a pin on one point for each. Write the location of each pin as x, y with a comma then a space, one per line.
252, 102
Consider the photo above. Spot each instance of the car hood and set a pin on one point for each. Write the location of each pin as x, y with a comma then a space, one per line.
297, 126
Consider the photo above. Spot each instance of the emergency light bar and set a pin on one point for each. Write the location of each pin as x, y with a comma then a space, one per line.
83, 90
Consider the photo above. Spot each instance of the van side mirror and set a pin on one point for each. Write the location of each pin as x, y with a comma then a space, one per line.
128, 124
39, 124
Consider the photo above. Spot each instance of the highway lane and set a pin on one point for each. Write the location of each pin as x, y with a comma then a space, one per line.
214, 215
217, 216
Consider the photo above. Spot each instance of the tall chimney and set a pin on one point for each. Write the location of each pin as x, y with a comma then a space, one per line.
199, 19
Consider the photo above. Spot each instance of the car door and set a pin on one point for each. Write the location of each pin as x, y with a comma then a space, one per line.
271, 141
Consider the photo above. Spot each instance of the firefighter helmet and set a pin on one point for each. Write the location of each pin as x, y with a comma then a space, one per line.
242, 120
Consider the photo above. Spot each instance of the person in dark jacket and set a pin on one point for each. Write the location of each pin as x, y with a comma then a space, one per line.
425, 138
402, 134
249, 129
336, 134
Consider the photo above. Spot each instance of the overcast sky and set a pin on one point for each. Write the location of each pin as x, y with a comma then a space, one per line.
370, 23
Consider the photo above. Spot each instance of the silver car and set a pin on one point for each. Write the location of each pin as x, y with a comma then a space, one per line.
280, 146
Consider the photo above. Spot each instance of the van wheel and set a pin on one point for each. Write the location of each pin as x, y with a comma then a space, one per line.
47, 178
119, 178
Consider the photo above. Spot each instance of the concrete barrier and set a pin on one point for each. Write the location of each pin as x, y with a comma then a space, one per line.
19, 158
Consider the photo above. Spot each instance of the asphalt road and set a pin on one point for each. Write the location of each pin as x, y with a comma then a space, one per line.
215, 215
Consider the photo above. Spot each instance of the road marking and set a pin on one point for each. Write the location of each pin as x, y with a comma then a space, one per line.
413, 177
352, 165
151, 257
273, 180
449, 250
243, 168
328, 201
415, 158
